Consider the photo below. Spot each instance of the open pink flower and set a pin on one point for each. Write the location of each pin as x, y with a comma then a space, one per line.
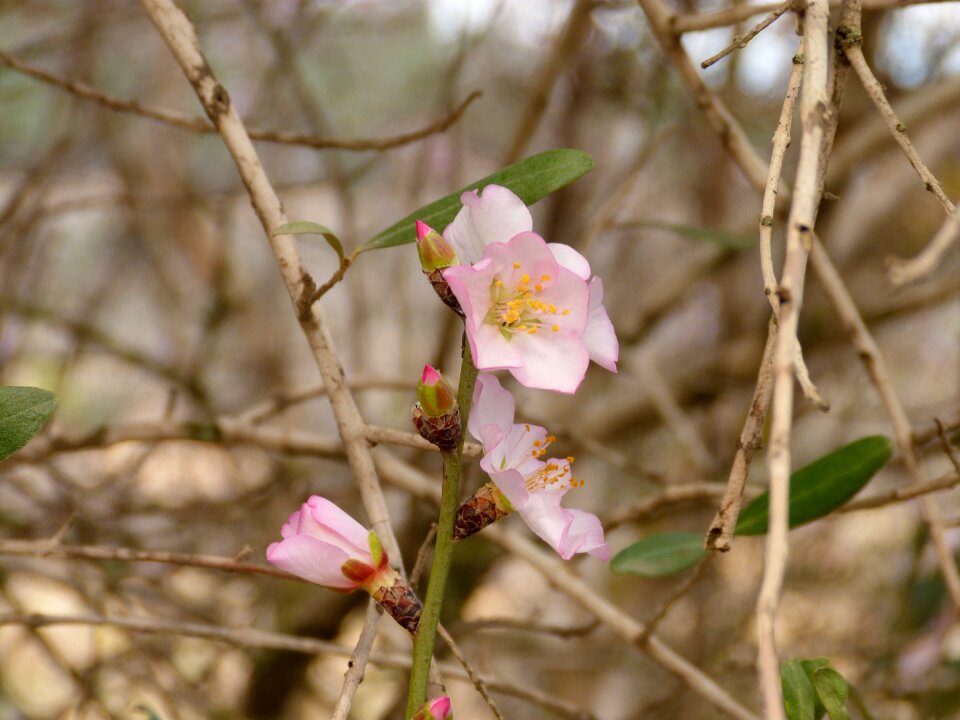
322, 544
437, 709
533, 487
531, 307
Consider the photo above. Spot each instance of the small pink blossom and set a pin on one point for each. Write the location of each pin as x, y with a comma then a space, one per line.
535, 488
437, 709
531, 307
324, 545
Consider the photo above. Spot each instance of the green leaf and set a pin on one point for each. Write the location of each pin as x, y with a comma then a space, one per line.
659, 555
824, 485
305, 227
832, 690
531, 179
23, 411
726, 240
810, 666
798, 694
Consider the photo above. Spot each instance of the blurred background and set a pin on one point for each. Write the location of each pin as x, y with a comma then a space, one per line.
136, 284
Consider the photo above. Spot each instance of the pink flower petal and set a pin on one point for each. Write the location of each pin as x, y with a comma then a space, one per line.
324, 521
551, 361
517, 451
584, 534
571, 259
599, 336
311, 559
492, 415
493, 215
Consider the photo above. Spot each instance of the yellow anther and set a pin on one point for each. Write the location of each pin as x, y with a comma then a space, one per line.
516, 266
537, 443
569, 459
566, 311
556, 328
498, 283
532, 331
524, 279
551, 438
538, 287
544, 278
527, 428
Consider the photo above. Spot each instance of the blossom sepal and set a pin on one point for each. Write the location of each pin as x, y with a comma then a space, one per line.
442, 430
437, 709
400, 602
485, 507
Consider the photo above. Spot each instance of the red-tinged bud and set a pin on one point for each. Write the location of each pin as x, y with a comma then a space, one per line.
435, 414
435, 252
435, 255
435, 394
438, 709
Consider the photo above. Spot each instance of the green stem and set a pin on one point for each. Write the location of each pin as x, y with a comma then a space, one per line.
424, 640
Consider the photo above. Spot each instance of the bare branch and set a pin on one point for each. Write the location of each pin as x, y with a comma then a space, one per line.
739, 43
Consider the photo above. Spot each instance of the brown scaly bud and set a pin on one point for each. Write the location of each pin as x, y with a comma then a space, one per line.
401, 603
485, 507
435, 255
435, 414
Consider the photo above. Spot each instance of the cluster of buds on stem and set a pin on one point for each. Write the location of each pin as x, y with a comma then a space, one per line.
436, 254
435, 414
324, 545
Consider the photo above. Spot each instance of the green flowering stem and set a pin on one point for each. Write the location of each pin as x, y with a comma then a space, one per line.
425, 638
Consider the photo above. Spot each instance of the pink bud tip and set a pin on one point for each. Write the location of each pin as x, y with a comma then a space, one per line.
423, 230
430, 375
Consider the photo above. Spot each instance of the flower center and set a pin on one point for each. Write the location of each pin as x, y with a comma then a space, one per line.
520, 309
554, 473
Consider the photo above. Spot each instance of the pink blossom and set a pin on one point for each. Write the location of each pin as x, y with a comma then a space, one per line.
529, 306
512, 458
322, 544
437, 709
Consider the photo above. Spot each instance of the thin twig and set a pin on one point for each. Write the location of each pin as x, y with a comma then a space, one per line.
694, 22
198, 124
902, 271
803, 214
44, 548
478, 682
904, 493
948, 448
250, 638
564, 50
668, 495
681, 426
512, 625
357, 664
657, 616
720, 534
739, 43
851, 40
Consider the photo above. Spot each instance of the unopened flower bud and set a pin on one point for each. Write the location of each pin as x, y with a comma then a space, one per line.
435, 394
437, 709
436, 254
435, 414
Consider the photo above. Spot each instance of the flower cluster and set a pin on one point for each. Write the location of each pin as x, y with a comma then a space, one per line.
530, 307
521, 480
534, 309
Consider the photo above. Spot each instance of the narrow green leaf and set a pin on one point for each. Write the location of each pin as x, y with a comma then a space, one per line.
832, 690
824, 485
659, 555
810, 666
23, 411
305, 227
726, 240
531, 179
798, 693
